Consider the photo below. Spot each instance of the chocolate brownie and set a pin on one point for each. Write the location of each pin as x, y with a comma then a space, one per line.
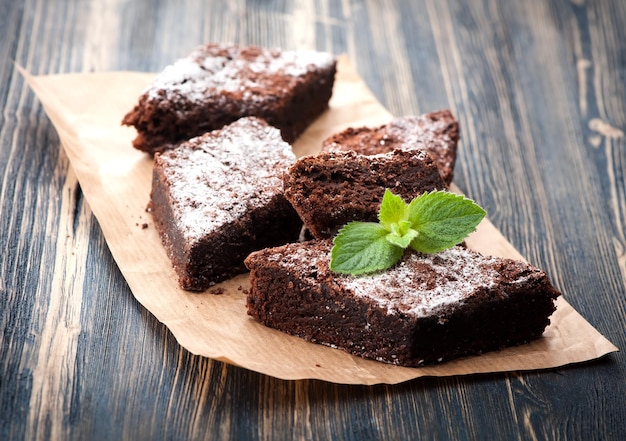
426, 309
218, 84
330, 189
435, 132
219, 196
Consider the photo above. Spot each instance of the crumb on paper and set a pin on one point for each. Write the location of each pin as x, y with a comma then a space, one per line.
217, 291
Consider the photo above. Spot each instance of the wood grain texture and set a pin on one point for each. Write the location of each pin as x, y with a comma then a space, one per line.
540, 92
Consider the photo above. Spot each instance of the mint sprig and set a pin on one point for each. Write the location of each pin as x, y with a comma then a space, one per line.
362, 247
432, 222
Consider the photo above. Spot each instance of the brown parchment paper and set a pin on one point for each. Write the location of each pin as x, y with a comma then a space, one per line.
86, 110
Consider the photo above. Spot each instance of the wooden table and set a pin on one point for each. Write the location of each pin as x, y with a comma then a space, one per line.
540, 92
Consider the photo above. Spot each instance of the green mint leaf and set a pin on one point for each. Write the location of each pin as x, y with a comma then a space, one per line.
442, 219
392, 209
361, 248
402, 240
401, 228
432, 222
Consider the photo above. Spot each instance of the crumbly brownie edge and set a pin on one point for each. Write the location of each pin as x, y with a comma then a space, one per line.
221, 255
306, 104
330, 189
317, 313
488, 324
161, 209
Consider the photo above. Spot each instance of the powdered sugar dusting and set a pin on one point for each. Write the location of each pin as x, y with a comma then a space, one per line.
420, 285
213, 70
424, 132
417, 129
185, 78
219, 177
429, 132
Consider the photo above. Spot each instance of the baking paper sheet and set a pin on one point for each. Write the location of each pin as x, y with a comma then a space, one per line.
86, 110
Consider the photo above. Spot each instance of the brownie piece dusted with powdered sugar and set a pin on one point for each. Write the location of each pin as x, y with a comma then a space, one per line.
436, 132
426, 309
330, 189
219, 83
219, 196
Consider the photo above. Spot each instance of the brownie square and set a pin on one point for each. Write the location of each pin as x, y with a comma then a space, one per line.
330, 189
436, 132
219, 83
427, 309
219, 196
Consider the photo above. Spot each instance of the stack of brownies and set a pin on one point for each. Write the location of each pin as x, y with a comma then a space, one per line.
228, 194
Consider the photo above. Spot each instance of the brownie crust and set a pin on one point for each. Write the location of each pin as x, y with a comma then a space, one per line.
436, 132
218, 84
429, 309
330, 189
